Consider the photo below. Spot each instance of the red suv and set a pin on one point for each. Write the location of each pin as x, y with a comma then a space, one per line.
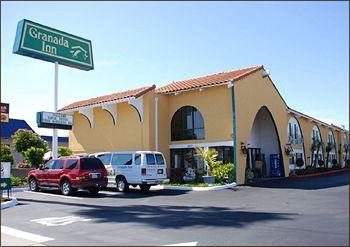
70, 174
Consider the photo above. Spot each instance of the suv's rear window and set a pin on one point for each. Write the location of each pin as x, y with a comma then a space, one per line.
91, 164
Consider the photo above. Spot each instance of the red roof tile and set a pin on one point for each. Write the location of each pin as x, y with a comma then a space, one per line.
210, 80
111, 97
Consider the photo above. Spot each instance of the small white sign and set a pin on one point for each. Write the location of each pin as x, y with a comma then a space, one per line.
5, 169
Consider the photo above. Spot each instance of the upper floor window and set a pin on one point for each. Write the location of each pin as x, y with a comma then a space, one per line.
187, 124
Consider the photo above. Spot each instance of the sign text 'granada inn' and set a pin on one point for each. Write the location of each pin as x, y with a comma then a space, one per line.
49, 44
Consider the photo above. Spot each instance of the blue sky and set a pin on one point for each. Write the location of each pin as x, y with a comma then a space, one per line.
304, 44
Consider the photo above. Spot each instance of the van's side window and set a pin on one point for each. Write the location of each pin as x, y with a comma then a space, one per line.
137, 159
160, 159
105, 158
121, 159
150, 159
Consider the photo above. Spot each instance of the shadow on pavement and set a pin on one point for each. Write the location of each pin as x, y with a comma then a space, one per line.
131, 194
168, 216
308, 183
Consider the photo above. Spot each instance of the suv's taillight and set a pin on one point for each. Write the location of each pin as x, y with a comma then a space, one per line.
143, 171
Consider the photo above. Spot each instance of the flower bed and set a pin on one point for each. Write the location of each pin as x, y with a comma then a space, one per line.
315, 170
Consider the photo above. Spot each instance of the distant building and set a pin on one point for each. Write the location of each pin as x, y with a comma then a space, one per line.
9, 129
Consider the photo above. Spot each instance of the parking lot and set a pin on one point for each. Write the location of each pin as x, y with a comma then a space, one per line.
308, 211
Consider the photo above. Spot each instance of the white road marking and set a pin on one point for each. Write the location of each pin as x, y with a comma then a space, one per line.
183, 244
109, 192
59, 221
24, 235
48, 194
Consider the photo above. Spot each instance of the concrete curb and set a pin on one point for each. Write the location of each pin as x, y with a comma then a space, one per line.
19, 189
319, 173
219, 187
9, 204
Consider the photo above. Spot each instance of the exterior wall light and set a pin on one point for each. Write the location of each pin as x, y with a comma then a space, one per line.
244, 148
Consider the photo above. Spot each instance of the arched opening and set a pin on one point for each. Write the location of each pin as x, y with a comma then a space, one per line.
187, 124
295, 139
317, 153
264, 157
331, 149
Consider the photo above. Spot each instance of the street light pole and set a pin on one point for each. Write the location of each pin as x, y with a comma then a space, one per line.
54, 136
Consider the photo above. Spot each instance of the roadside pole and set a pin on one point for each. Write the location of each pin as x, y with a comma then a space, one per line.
54, 136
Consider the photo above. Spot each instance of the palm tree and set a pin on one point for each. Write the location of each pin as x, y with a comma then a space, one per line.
329, 148
209, 156
315, 146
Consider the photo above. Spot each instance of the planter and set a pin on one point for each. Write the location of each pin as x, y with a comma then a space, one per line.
209, 179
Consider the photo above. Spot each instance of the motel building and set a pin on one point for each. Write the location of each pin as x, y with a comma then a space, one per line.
240, 113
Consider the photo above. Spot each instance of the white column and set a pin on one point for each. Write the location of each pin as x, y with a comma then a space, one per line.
54, 136
156, 122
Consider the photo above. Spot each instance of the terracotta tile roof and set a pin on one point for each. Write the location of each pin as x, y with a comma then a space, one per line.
111, 97
210, 80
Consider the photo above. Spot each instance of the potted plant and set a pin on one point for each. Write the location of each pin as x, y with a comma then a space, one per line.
299, 162
209, 157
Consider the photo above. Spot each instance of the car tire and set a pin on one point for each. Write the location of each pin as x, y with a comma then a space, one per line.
93, 191
121, 184
33, 185
66, 188
145, 187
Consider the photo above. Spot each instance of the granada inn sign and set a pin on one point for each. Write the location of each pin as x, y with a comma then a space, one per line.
52, 45
49, 44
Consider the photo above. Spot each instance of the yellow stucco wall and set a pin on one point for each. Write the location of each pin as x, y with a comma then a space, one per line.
252, 93
128, 133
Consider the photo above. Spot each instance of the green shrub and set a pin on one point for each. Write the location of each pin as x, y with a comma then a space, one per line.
221, 171
25, 139
5, 153
64, 151
16, 181
34, 156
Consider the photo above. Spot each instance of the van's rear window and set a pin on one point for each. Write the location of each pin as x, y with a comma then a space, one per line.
91, 164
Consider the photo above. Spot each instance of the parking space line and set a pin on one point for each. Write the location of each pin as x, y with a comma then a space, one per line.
183, 244
24, 235
48, 194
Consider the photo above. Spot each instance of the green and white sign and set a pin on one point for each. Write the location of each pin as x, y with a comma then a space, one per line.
5, 175
49, 44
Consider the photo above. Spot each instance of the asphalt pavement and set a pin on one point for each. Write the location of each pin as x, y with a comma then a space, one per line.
307, 211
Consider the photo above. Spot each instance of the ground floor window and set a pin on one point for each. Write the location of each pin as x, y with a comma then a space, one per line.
186, 161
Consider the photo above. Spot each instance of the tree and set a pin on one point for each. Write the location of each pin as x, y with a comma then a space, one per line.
64, 151
209, 156
5, 154
34, 156
315, 146
346, 150
24, 139
329, 148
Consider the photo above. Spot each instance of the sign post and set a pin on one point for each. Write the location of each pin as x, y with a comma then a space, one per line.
52, 45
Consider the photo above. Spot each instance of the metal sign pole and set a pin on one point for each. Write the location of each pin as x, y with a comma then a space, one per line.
54, 136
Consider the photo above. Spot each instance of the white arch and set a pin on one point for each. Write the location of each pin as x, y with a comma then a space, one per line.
315, 133
295, 138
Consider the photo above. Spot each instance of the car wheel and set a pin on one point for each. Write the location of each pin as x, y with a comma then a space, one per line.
93, 191
33, 184
122, 185
145, 187
66, 188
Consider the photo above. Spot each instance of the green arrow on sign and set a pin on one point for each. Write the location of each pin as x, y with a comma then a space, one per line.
5, 184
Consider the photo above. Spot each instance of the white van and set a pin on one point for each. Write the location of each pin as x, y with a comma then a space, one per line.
143, 168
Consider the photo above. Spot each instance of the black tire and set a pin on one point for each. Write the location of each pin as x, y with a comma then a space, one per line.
93, 191
66, 188
145, 187
121, 184
33, 184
